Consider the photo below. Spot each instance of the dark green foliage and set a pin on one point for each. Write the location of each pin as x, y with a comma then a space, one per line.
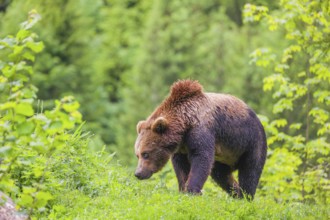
115, 55
189, 39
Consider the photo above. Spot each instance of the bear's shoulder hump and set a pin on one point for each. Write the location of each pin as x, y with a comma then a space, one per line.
183, 89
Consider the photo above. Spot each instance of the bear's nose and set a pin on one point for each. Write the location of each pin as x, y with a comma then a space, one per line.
138, 175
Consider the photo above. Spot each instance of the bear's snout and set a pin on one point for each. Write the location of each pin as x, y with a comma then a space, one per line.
138, 175
142, 175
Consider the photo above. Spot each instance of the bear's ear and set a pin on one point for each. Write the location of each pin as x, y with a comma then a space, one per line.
139, 126
160, 125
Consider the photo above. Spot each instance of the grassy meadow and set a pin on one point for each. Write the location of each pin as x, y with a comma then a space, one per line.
121, 196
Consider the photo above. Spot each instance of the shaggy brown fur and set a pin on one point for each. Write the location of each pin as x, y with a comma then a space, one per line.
204, 134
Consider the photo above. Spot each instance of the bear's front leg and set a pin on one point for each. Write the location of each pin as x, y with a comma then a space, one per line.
181, 167
201, 147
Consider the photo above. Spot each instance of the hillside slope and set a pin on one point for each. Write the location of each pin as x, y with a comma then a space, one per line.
118, 195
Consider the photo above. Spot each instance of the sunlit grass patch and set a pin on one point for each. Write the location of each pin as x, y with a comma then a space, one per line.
127, 198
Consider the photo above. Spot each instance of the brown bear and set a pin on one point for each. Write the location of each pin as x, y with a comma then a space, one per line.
203, 134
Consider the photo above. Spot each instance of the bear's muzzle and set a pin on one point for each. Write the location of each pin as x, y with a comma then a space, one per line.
142, 174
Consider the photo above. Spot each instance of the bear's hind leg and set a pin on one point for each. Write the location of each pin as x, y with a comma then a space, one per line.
249, 171
222, 175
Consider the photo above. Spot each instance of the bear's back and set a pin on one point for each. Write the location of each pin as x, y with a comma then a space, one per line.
234, 123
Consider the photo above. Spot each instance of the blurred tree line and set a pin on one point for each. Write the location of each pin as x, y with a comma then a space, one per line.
119, 58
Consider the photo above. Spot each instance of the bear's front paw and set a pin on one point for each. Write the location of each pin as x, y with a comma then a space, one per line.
193, 191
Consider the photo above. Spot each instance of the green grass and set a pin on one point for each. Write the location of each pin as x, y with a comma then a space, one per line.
117, 194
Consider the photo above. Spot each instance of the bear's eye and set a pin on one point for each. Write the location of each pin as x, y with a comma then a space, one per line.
145, 155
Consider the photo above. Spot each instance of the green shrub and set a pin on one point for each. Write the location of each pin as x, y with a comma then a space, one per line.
33, 142
299, 133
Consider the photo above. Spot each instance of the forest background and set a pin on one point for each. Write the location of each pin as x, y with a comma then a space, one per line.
118, 59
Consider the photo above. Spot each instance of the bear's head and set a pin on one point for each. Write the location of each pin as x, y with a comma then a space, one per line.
159, 137
157, 140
